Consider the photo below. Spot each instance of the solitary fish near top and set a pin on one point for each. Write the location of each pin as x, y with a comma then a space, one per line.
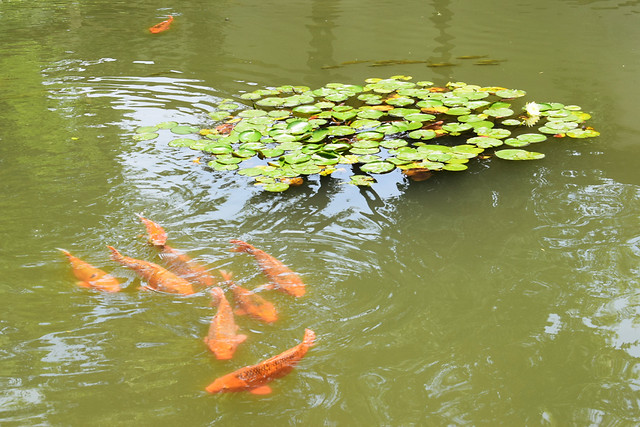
158, 278
90, 276
162, 26
249, 302
280, 276
254, 378
222, 339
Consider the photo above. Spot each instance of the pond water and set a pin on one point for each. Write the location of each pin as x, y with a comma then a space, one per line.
503, 295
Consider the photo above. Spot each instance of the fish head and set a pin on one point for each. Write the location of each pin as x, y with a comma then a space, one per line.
268, 314
224, 350
227, 383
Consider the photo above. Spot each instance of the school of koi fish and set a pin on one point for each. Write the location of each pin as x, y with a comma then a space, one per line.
184, 276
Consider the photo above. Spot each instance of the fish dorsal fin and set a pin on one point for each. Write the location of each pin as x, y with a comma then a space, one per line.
263, 389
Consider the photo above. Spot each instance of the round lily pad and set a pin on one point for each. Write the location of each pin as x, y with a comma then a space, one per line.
181, 142
298, 127
145, 136
184, 130
249, 136
166, 125
484, 142
579, 133
377, 167
276, 187
423, 134
518, 154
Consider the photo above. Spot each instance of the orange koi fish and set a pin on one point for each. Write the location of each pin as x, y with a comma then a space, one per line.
157, 235
162, 26
179, 263
222, 339
157, 278
250, 303
255, 377
90, 276
281, 277
187, 268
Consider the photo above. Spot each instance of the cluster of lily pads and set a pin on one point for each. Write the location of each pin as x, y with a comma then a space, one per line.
290, 132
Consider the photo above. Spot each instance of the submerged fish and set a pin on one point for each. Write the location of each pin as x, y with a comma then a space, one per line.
185, 267
254, 378
249, 302
90, 276
162, 26
280, 276
157, 278
157, 235
178, 262
222, 339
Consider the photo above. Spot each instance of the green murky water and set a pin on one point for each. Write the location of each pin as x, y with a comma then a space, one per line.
505, 295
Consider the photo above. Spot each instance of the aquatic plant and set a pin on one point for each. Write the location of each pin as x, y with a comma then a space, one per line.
278, 135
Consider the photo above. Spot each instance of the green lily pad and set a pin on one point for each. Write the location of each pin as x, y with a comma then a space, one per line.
371, 135
341, 130
276, 187
252, 113
579, 133
181, 142
484, 142
458, 111
423, 134
377, 167
365, 124
222, 166
272, 152
271, 102
344, 115
318, 135
145, 136
510, 93
166, 125
370, 114
393, 143
511, 122
455, 167
498, 112
456, 128
296, 157
249, 136
218, 115
298, 127
227, 159
518, 154
306, 110
420, 117
184, 130
362, 180
493, 133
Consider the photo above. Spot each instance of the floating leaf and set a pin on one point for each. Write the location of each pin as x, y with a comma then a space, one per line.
518, 154
181, 142
272, 152
145, 136
423, 134
249, 136
184, 130
456, 128
579, 133
362, 180
498, 112
510, 93
276, 187
493, 133
166, 125
377, 167
484, 142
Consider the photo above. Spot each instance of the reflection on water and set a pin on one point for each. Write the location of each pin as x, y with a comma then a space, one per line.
506, 295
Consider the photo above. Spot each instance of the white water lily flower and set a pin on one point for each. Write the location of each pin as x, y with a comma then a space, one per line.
532, 108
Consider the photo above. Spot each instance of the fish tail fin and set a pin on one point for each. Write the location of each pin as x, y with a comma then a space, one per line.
227, 276
115, 255
309, 337
241, 246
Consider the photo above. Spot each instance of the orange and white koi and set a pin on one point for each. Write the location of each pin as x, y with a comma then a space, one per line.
157, 277
280, 276
249, 302
90, 276
254, 378
157, 235
222, 339
162, 26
